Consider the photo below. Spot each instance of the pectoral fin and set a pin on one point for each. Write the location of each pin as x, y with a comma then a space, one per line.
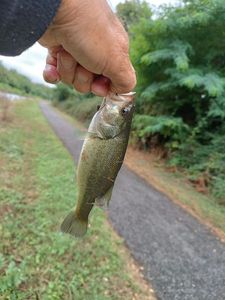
103, 201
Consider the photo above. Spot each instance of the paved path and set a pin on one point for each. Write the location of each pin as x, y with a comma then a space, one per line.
181, 257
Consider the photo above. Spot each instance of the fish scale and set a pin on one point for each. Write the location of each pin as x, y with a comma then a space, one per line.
100, 160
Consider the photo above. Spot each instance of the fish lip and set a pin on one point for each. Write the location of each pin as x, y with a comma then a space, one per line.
126, 94
127, 97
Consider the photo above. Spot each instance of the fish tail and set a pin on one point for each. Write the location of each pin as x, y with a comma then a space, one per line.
73, 225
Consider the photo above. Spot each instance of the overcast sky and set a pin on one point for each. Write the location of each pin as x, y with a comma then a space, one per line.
32, 61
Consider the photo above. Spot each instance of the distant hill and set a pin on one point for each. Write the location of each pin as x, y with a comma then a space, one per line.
12, 81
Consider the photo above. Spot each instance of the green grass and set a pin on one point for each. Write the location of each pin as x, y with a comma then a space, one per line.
37, 189
9, 89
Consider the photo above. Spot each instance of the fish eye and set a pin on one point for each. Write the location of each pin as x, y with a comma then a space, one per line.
125, 111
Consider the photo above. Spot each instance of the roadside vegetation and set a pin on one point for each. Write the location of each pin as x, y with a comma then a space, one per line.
13, 82
82, 107
178, 53
37, 190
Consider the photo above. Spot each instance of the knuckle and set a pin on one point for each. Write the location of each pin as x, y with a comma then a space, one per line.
132, 81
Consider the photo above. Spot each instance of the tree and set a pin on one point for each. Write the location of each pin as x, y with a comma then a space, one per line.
179, 58
181, 62
132, 11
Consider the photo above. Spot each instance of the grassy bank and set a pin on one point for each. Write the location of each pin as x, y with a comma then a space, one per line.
8, 89
37, 190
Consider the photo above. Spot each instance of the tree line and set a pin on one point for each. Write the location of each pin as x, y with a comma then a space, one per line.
179, 56
14, 82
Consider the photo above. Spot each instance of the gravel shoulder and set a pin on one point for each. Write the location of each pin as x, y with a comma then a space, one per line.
179, 255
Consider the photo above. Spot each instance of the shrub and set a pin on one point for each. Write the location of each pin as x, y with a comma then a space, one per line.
163, 129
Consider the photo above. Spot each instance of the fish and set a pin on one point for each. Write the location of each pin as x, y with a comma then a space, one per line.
100, 159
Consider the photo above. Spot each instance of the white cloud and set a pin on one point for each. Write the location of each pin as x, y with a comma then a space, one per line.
31, 62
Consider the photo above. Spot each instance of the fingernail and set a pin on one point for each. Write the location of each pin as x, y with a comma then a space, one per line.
50, 74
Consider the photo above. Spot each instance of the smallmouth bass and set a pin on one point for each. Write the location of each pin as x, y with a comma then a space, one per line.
101, 158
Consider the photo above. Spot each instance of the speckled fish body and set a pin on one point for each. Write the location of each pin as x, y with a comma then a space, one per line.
101, 158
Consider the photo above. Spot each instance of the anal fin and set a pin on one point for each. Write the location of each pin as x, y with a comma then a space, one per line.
103, 201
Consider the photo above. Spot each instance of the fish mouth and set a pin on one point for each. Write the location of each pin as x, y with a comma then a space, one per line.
126, 97
127, 94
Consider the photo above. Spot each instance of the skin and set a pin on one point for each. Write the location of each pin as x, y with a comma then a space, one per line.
88, 48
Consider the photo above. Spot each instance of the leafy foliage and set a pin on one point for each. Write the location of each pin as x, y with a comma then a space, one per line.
132, 11
62, 92
204, 162
179, 57
151, 130
82, 107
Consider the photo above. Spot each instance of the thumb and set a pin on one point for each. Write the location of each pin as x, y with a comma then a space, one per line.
122, 75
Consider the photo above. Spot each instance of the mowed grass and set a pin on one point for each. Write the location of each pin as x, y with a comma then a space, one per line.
37, 189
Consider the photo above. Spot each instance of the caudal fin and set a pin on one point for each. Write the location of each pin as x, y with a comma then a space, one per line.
74, 226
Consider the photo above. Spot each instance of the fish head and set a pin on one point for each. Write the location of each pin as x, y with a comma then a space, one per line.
115, 114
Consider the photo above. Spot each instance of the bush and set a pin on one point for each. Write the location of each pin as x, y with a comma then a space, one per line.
80, 106
62, 92
12, 81
164, 130
204, 161
85, 109
181, 87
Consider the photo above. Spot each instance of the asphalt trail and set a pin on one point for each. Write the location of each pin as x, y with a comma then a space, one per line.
181, 258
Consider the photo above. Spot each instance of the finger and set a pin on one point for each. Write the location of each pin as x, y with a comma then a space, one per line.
50, 73
100, 86
122, 76
66, 66
83, 80
51, 60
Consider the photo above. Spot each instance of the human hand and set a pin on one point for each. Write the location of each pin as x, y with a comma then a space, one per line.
88, 48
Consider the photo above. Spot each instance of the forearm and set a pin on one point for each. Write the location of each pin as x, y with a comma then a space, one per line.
23, 22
